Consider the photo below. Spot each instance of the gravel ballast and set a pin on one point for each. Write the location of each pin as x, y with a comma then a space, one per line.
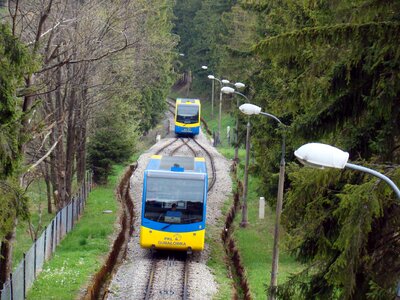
129, 281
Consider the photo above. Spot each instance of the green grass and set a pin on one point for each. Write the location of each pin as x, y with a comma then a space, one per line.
217, 260
255, 243
80, 254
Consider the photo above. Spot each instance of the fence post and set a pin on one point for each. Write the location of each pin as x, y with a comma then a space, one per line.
44, 243
52, 236
34, 259
60, 228
73, 213
66, 219
24, 285
11, 287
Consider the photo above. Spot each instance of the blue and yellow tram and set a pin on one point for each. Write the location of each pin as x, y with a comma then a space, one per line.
174, 203
187, 116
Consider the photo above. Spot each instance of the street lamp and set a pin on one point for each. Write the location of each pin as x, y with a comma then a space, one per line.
204, 67
225, 81
250, 109
322, 156
221, 82
229, 90
212, 95
239, 85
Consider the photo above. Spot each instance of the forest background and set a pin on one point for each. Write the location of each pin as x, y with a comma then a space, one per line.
81, 81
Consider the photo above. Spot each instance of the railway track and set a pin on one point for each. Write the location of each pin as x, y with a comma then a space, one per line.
168, 277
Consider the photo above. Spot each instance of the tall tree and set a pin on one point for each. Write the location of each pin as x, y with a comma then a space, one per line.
14, 64
329, 70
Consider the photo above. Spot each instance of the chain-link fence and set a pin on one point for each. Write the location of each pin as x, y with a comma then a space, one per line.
42, 249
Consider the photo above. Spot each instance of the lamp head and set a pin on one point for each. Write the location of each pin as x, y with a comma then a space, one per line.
250, 109
211, 77
204, 67
182, 54
225, 81
239, 85
228, 90
319, 155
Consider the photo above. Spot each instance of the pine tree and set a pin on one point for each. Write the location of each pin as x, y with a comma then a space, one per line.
330, 71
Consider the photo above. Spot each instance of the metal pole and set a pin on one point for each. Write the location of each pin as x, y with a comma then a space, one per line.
376, 174
246, 177
219, 117
212, 100
279, 203
237, 134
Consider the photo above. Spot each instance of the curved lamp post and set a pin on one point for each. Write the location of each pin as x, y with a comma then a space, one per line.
250, 109
221, 82
212, 94
322, 156
229, 90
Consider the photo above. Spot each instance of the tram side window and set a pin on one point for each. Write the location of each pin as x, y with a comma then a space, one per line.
183, 196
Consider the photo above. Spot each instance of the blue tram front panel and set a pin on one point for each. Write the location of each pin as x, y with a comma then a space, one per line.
187, 116
187, 129
174, 204
175, 237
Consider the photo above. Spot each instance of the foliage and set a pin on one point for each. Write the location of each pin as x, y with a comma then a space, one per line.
330, 70
112, 140
200, 27
343, 225
14, 205
14, 63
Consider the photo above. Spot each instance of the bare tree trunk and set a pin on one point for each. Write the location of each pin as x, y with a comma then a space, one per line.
46, 174
81, 130
70, 145
59, 153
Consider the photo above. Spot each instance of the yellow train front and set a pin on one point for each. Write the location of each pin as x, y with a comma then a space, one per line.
187, 117
174, 203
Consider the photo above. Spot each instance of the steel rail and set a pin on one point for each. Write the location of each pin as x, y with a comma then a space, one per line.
149, 285
213, 171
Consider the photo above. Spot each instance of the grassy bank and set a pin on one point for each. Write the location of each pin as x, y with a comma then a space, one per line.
255, 243
80, 254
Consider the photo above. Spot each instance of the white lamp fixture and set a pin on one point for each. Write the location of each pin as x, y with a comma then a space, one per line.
227, 90
239, 85
204, 67
250, 109
225, 81
319, 155
211, 77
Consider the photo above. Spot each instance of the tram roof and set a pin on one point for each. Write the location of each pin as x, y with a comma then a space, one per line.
187, 101
177, 163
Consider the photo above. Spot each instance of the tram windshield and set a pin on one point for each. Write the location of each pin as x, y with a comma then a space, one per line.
187, 114
174, 201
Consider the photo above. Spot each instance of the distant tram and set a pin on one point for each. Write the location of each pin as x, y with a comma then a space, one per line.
187, 117
174, 203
